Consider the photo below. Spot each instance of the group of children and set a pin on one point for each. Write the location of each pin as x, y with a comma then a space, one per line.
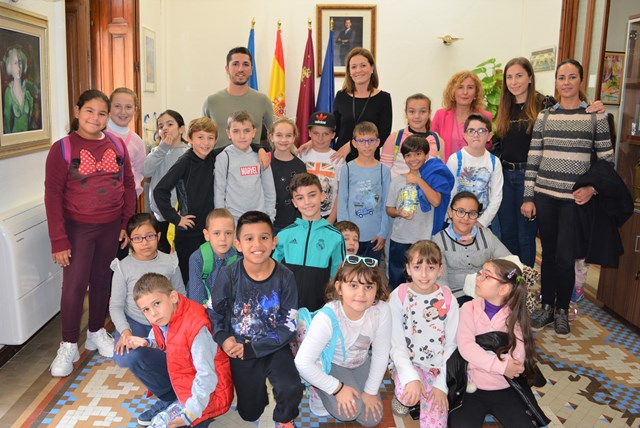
244, 283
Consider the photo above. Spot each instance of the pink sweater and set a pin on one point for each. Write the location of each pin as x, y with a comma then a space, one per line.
395, 160
485, 369
444, 123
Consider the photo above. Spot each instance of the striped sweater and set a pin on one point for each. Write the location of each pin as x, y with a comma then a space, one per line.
559, 157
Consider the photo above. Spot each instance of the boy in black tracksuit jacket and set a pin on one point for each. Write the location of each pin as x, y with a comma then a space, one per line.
192, 177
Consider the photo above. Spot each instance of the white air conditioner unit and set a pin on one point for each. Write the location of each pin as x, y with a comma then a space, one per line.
30, 283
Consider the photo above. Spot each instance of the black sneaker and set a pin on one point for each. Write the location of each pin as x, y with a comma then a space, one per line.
541, 318
561, 324
145, 417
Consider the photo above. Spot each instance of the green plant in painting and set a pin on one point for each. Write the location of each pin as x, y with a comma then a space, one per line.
491, 76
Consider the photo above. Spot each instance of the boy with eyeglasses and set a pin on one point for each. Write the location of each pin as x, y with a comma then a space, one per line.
363, 192
476, 170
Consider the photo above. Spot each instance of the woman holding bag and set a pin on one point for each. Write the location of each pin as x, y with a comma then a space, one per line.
562, 144
520, 104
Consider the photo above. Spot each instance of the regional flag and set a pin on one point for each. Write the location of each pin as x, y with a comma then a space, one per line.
307, 94
326, 93
276, 86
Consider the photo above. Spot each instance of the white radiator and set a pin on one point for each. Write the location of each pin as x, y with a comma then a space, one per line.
30, 283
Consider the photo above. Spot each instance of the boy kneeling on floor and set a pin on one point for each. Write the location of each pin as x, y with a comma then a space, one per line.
197, 375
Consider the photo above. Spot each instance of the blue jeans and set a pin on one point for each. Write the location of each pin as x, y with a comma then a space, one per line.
397, 262
149, 365
518, 233
365, 249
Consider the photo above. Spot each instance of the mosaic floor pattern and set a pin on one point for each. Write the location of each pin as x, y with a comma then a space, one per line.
593, 381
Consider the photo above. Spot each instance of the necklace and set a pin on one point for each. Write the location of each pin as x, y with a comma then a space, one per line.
353, 107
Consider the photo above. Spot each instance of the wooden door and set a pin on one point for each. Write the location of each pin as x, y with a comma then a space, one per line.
115, 50
78, 49
103, 47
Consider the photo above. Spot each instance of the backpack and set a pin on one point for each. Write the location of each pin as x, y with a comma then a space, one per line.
402, 294
207, 264
303, 322
396, 149
66, 149
459, 157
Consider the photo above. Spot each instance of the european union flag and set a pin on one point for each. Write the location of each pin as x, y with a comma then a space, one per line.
253, 80
326, 93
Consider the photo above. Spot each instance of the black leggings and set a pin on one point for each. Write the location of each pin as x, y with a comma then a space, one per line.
503, 404
555, 222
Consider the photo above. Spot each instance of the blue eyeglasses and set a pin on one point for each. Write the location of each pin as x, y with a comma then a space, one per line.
365, 141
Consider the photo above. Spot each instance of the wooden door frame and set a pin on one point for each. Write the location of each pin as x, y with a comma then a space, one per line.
93, 77
569, 30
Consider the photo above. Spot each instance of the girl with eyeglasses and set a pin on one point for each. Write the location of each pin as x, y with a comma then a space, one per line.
465, 246
144, 233
498, 370
358, 297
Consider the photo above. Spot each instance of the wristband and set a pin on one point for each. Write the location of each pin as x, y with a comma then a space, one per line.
339, 389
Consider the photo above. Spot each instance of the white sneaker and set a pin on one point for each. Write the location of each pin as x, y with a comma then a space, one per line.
100, 340
62, 365
315, 403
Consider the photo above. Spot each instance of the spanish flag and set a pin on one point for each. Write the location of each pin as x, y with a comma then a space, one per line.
276, 86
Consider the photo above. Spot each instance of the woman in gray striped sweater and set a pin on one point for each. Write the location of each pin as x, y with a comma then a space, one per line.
564, 139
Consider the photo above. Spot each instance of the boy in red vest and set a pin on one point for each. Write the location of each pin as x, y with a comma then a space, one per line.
200, 375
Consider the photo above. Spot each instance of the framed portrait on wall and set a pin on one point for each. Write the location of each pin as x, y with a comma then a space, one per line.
149, 75
353, 26
611, 78
24, 82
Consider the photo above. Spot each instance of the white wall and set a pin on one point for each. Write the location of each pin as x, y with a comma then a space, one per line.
22, 177
153, 17
410, 59
193, 38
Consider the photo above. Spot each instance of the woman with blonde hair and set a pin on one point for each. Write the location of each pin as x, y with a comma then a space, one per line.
462, 96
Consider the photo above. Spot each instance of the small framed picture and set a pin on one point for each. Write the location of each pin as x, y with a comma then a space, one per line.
353, 26
611, 78
543, 59
149, 58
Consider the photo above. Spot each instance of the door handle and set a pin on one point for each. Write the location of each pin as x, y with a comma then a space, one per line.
635, 247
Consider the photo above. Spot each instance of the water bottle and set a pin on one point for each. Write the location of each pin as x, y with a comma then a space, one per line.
161, 420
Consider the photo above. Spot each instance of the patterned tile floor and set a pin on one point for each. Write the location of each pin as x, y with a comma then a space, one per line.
593, 381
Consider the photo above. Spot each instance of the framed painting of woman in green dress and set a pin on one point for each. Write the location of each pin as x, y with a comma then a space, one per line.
24, 79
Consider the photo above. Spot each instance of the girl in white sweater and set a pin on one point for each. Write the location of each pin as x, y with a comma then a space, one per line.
358, 299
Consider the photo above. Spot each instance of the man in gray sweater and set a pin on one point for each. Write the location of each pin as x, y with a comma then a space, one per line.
238, 96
